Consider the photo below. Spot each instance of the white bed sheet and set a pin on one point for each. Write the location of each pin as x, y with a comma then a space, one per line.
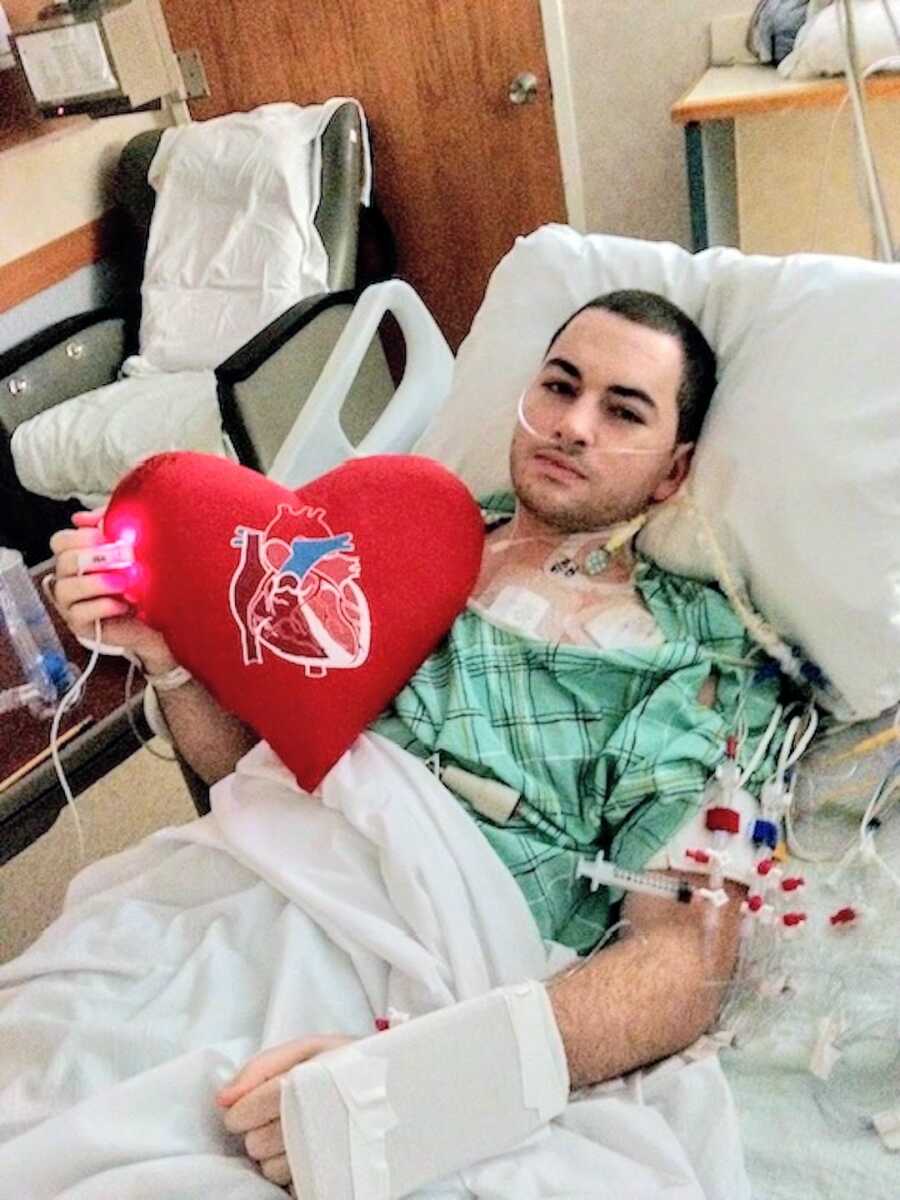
806, 1138
281, 915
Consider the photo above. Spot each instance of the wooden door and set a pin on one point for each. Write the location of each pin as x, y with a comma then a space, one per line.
459, 170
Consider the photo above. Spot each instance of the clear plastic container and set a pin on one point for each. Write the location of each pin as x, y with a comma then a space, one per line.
25, 621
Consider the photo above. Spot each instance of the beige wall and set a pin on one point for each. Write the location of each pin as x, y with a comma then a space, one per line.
628, 61
57, 183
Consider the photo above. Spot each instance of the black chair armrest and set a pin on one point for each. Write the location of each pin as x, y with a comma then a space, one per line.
17, 356
73, 356
254, 355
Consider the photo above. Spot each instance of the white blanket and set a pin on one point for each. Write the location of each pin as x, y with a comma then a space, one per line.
280, 915
84, 446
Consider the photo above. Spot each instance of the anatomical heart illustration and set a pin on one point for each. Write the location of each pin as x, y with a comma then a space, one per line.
295, 591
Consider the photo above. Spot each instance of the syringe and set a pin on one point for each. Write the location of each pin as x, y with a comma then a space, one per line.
601, 871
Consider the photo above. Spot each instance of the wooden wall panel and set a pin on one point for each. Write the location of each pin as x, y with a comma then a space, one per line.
42, 268
459, 170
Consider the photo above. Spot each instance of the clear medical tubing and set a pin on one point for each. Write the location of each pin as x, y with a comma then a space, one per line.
30, 630
543, 437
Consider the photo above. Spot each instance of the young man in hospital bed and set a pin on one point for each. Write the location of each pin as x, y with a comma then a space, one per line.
600, 749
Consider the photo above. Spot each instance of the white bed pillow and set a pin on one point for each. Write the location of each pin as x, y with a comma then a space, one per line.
819, 48
798, 469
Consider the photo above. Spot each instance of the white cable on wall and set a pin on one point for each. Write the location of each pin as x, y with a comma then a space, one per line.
891, 63
877, 209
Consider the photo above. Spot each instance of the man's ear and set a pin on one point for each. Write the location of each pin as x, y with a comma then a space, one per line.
681, 463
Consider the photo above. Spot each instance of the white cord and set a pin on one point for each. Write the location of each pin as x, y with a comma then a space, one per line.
762, 746
69, 700
884, 794
889, 13
797, 752
892, 62
862, 845
129, 684
877, 209
759, 629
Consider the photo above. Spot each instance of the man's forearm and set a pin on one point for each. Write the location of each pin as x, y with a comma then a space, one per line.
650, 995
210, 739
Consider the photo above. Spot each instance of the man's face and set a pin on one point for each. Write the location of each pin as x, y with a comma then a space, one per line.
606, 385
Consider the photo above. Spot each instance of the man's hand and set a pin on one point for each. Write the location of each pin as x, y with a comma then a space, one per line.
82, 600
253, 1101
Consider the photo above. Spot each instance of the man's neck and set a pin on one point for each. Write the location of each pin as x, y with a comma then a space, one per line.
525, 524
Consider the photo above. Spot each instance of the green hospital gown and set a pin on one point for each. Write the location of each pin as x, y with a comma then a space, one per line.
607, 749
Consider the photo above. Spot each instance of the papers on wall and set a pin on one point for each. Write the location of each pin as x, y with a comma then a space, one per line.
65, 63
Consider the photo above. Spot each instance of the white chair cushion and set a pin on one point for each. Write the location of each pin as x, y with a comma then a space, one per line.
84, 446
798, 468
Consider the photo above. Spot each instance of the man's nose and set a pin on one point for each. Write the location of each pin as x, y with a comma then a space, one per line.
575, 423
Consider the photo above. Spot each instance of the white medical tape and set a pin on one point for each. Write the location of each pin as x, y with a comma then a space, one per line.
825, 1054
888, 1126
489, 797
542, 1058
708, 1044
520, 607
361, 1082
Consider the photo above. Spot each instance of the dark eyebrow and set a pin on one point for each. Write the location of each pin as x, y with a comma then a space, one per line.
617, 389
564, 365
631, 393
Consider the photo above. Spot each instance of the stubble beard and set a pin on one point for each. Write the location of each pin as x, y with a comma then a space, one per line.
572, 517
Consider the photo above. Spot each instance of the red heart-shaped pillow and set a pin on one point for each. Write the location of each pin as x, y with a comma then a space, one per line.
303, 613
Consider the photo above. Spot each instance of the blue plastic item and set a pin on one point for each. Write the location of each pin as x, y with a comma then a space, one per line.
46, 672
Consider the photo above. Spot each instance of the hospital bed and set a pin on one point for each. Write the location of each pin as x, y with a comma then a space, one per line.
261, 386
794, 493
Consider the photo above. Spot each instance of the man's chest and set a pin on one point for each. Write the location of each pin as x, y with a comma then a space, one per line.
571, 593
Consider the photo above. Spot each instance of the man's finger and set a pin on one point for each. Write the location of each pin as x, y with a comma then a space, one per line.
259, 1107
72, 589
88, 517
107, 608
268, 1064
265, 1142
277, 1170
75, 539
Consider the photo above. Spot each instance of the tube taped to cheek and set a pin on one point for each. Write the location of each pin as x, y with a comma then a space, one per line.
386, 1115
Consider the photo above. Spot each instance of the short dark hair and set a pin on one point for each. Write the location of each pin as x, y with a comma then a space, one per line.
698, 377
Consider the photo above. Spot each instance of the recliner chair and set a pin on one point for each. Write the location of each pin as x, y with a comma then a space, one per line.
261, 387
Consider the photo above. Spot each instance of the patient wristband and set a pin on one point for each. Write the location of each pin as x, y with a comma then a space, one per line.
381, 1117
168, 681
